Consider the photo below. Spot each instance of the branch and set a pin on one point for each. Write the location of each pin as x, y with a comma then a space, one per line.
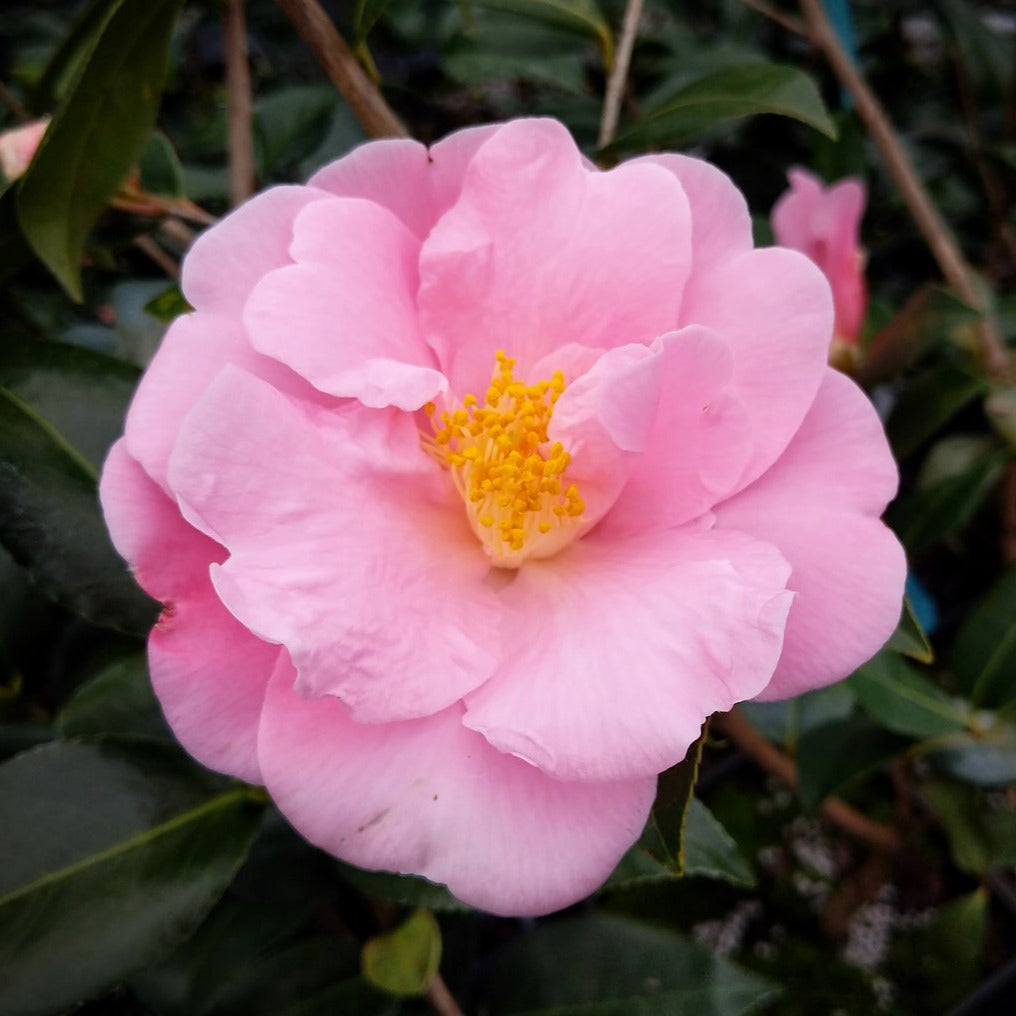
441, 999
772, 760
932, 226
155, 253
14, 104
238, 102
619, 74
339, 63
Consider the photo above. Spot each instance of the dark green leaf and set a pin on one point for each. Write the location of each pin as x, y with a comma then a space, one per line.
97, 134
664, 835
987, 759
897, 696
834, 753
66, 61
786, 722
929, 514
84, 395
929, 402
108, 858
169, 304
984, 653
603, 965
710, 851
159, 167
582, 16
729, 94
910, 638
50, 523
982, 835
118, 700
930, 318
403, 962
407, 890
365, 16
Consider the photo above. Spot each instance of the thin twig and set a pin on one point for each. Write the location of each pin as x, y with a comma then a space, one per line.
784, 20
238, 102
441, 999
14, 104
618, 79
339, 63
851, 821
932, 226
155, 253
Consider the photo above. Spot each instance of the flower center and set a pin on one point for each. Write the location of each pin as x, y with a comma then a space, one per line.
510, 476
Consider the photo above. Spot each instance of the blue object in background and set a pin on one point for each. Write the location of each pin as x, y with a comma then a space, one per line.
922, 604
842, 19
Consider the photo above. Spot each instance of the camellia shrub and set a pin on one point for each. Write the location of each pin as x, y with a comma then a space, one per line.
507, 508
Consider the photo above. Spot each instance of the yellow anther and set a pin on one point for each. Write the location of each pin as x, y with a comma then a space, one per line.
508, 473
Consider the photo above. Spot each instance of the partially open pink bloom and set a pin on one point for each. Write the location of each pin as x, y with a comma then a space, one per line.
477, 479
824, 223
17, 147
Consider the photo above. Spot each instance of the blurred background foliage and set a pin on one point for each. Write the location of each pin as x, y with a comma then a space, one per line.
851, 851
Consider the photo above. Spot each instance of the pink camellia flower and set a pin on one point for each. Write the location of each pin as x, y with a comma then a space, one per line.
477, 479
17, 147
824, 223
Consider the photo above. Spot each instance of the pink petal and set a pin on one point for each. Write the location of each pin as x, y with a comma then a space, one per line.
824, 224
617, 650
347, 545
208, 671
721, 222
226, 262
210, 674
350, 302
537, 249
773, 308
432, 798
391, 172
700, 440
193, 351
401, 175
820, 505
168, 557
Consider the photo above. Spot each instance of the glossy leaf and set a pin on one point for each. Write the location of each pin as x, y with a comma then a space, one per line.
984, 653
108, 858
982, 835
84, 395
730, 94
910, 638
169, 304
118, 700
97, 134
159, 167
710, 851
834, 753
50, 523
929, 402
987, 759
929, 319
925, 516
66, 60
407, 890
601, 965
582, 16
664, 835
897, 696
403, 962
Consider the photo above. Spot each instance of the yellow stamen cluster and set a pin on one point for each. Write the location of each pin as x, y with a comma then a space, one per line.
497, 452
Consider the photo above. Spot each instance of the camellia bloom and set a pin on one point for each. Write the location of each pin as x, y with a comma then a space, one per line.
824, 223
477, 479
17, 147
